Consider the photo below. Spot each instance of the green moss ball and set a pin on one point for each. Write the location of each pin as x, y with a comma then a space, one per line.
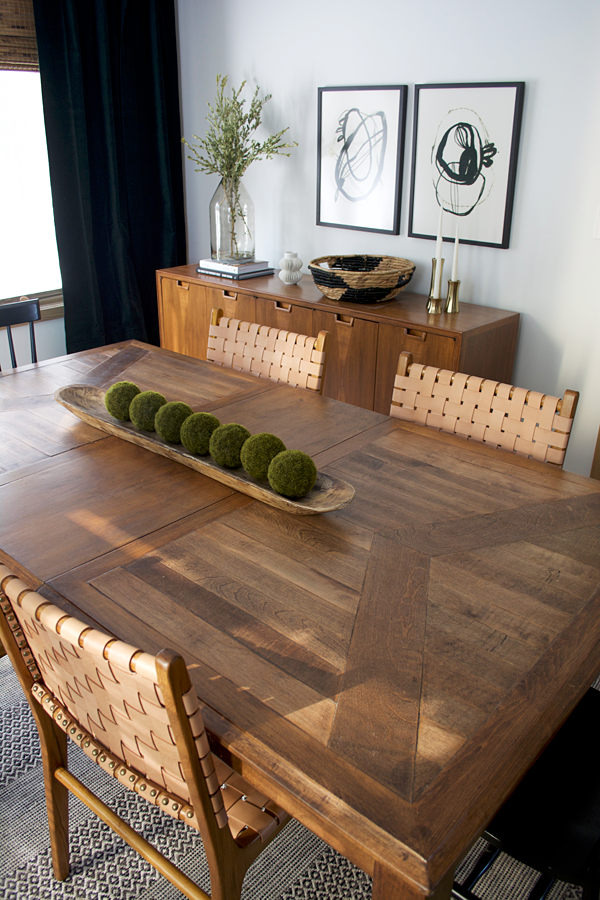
257, 453
144, 407
196, 432
169, 419
226, 443
118, 397
292, 474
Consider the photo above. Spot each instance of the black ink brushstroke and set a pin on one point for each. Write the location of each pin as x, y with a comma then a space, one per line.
474, 156
360, 146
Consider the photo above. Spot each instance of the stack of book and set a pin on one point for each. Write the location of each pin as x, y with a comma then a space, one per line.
234, 268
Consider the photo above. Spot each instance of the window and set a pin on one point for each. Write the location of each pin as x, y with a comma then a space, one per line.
27, 236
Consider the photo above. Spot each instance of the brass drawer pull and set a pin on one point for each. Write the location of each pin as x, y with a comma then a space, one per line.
282, 307
184, 285
229, 295
344, 320
417, 335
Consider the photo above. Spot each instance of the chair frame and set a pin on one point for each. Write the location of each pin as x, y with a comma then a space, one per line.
20, 313
281, 356
228, 858
539, 425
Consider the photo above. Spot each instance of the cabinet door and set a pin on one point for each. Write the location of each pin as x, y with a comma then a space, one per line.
282, 314
183, 317
351, 357
426, 347
233, 304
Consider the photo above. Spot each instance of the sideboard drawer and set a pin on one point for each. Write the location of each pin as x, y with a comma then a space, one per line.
351, 357
233, 304
427, 347
284, 314
183, 317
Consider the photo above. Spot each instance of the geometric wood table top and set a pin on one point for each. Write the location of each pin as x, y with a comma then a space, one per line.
388, 671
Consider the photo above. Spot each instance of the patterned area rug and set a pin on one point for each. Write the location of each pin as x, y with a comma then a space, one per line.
296, 866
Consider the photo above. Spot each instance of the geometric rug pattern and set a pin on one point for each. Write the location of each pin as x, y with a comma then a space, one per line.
296, 866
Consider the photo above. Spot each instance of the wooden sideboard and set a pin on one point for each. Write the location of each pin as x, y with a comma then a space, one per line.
366, 339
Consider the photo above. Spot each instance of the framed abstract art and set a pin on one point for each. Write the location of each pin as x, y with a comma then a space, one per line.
360, 152
464, 160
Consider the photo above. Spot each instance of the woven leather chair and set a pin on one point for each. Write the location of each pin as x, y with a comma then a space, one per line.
552, 820
510, 418
294, 359
20, 313
139, 719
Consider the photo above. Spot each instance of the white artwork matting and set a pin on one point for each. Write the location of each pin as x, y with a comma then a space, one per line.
465, 145
360, 152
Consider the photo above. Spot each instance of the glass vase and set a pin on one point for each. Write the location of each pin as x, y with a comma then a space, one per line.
231, 223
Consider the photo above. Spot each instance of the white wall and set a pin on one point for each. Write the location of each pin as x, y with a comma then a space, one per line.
551, 273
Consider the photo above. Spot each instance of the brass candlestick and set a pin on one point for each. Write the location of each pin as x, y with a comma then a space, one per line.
434, 305
452, 300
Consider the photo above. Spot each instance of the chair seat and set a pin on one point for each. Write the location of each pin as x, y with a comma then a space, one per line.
251, 815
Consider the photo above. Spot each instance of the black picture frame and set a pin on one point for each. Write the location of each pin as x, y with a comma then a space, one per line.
464, 158
360, 156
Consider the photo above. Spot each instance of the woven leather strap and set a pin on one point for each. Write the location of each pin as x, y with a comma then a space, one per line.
510, 418
281, 356
104, 694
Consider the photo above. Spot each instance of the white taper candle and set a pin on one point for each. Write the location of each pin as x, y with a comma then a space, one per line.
438, 258
455, 260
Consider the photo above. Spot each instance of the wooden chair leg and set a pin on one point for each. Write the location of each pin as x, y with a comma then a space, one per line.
226, 881
54, 755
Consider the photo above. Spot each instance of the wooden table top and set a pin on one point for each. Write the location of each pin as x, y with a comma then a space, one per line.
387, 672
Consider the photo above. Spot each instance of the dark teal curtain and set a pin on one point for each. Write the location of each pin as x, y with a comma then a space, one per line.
110, 91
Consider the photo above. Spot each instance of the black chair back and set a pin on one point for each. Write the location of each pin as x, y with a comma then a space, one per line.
20, 313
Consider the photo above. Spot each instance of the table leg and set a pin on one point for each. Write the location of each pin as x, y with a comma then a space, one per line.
388, 886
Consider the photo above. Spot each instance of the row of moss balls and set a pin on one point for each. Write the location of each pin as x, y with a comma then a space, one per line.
263, 456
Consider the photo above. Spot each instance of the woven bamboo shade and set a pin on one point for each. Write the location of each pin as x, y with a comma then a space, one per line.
18, 45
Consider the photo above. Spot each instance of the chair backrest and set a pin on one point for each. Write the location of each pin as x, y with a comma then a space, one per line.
137, 717
114, 701
20, 313
283, 356
500, 415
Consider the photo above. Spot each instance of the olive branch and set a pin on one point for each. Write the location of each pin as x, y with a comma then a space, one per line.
229, 148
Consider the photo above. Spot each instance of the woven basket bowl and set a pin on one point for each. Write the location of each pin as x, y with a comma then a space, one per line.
361, 279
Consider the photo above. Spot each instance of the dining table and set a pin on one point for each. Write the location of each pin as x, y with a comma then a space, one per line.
387, 671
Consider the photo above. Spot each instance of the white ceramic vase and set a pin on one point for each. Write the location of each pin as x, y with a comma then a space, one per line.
289, 268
